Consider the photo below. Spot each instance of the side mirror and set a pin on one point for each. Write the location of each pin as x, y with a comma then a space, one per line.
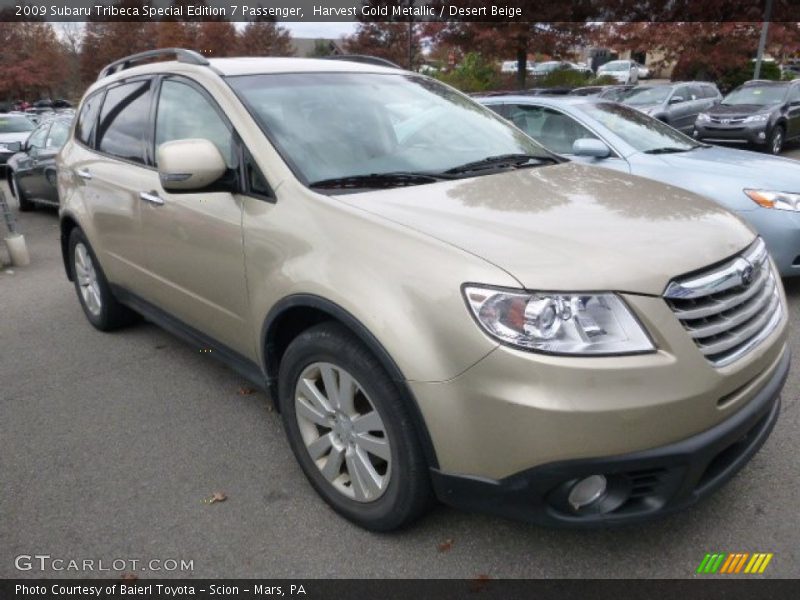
13, 146
590, 147
190, 164
676, 100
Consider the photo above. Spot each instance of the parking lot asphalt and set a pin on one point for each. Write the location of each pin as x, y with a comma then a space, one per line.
112, 444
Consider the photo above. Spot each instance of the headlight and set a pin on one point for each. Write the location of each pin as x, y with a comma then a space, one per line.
779, 200
577, 324
703, 117
4, 148
757, 118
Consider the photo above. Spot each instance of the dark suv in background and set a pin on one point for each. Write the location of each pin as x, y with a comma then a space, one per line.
764, 113
676, 104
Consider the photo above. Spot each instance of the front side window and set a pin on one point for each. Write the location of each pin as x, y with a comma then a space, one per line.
552, 129
58, 135
336, 125
37, 139
184, 113
123, 121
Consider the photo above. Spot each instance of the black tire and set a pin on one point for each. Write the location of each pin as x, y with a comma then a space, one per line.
777, 138
111, 314
408, 493
25, 205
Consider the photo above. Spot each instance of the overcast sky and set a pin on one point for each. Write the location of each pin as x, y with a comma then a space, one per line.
319, 30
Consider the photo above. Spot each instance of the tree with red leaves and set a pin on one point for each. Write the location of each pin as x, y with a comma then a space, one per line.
265, 38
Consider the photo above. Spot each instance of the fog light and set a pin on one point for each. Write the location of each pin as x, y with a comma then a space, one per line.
586, 491
762, 135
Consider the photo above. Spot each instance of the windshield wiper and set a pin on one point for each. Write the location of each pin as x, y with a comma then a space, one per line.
502, 161
668, 150
377, 180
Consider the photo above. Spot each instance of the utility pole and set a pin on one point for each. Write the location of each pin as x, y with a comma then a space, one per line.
762, 42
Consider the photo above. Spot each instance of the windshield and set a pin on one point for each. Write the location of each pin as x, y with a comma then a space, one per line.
336, 125
646, 95
615, 66
546, 66
642, 132
756, 94
15, 124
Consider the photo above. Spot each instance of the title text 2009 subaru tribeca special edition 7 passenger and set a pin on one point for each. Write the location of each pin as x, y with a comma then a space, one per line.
438, 306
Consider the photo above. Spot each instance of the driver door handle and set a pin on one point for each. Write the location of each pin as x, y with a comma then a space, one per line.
152, 198
83, 174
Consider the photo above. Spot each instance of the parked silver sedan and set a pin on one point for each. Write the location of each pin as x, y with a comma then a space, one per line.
762, 189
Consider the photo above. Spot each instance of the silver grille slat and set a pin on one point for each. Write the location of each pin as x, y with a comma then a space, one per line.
750, 330
717, 306
729, 309
744, 314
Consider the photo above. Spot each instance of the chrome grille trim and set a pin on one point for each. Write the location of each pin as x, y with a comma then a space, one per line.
729, 309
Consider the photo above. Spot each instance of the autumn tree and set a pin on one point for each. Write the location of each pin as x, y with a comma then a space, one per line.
33, 62
721, 51
395, 41
217, 38
265, 38
510, 40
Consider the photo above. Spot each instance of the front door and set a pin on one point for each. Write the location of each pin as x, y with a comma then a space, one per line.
193, 241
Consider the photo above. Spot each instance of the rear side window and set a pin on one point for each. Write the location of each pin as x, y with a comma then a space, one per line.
709, 91
87, 118
184, 113
123, 121
58, 135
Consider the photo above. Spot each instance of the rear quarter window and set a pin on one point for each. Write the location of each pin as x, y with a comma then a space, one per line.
84, 129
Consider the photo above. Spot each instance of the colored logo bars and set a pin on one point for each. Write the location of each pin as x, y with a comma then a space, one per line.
735, 562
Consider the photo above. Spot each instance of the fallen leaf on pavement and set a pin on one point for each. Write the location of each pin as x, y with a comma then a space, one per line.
246, 391
446, 546
217, 497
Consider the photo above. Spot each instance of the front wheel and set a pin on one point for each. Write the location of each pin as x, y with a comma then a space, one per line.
776, 140
350, 430
98, 303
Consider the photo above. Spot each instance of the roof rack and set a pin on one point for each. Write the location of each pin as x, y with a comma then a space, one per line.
181, 55
363, 58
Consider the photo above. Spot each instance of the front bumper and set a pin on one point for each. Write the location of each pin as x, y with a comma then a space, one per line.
780, 230
743, 133
641, 485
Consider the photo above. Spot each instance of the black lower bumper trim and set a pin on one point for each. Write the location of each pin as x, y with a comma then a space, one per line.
649, 483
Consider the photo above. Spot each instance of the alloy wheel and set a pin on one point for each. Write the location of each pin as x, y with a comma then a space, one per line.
343, 432
777, 142
87, 279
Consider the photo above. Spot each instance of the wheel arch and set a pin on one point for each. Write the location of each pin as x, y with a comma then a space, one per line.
296, 313
66, 224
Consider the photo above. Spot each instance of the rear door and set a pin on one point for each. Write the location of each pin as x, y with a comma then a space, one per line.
193, 240
793, 112
56, 138
30, 178
680, 113
113, 131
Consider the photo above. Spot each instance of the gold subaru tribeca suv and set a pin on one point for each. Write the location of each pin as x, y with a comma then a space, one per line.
438, 306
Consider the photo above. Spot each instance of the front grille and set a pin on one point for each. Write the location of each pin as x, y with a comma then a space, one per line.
726, 120
729, 309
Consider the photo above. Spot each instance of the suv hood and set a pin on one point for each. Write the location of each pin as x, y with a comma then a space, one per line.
569, 227
740, 110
